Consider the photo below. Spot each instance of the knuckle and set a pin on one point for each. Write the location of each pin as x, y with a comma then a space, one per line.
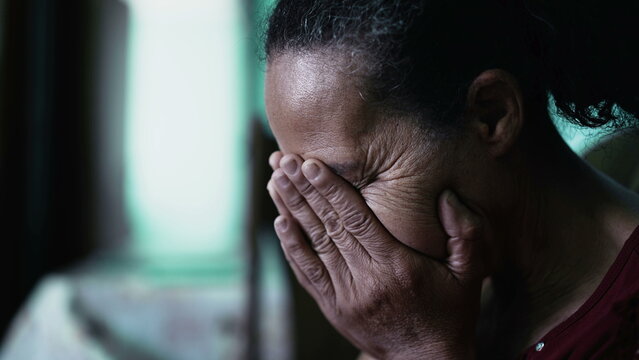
316, 274
325, 213
313, 198
334, 227
353, 249
296, 203
306, 190
315, 231
333, 193
357, 223
294, 249
321, 244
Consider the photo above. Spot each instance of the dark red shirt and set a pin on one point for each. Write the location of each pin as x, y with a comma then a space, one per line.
606, 325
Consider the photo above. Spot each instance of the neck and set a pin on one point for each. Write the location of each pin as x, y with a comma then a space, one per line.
570, 224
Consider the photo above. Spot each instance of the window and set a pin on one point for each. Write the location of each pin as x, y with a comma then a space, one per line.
186, 128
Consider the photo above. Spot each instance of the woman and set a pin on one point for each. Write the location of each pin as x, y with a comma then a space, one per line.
418, 159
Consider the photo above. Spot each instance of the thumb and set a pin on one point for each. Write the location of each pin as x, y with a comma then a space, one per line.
464, 228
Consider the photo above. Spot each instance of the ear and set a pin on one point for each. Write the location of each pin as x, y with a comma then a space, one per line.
495, 108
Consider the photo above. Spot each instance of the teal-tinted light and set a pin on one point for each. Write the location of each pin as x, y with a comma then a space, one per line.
185, 131
580, 139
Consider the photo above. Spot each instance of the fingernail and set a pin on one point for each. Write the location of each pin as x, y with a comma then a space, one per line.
310, 170
280, 179
290, 166
451, 198
281, 224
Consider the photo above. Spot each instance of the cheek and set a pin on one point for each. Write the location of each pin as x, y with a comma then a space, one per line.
410, 215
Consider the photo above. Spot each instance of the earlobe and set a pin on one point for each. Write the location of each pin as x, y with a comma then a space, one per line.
495, 108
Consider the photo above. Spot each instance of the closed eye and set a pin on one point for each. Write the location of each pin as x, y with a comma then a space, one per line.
351, 172
362, 182
346, 170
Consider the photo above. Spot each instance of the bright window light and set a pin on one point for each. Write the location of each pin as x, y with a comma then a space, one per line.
186, 128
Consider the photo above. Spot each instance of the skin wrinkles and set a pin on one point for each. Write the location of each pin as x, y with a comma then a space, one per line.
319, 114
532, 197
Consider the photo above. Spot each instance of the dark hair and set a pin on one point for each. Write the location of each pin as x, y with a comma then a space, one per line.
421, 55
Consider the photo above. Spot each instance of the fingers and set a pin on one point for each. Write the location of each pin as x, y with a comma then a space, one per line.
277, 200
310, 224
457, 219
339, 240
307, 267
464, 228
349, 220
274, 160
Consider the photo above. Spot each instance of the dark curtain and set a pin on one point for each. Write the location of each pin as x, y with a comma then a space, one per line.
47, 141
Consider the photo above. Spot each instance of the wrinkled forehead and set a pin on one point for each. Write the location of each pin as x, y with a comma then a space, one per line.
311, 102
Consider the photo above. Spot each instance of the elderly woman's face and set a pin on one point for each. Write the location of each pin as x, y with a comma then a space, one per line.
316, 111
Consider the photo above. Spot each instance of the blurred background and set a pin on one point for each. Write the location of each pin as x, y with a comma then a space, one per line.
133, 167
135, 221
